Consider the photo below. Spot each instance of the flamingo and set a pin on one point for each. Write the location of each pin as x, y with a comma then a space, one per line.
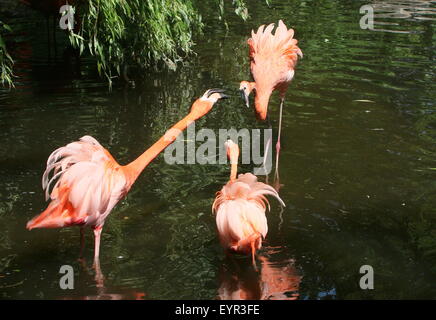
272, 62
240, 209
89, 182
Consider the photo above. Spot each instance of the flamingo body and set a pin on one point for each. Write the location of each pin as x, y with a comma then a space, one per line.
88, 182
240, 209
273, 58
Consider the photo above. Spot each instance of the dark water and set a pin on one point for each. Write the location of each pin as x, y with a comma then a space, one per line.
357, 163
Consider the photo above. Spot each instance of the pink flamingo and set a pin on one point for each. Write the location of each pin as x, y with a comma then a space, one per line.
240, 209
89, 182
272, 62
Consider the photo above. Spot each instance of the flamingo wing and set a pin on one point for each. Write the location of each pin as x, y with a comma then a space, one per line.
240, 210
273, 56
87, 181
238, 219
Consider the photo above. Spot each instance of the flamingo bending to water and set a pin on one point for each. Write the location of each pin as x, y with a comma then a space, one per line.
240, 209
89, 182
273, 58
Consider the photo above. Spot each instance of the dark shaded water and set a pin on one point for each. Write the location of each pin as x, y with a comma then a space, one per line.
357, 163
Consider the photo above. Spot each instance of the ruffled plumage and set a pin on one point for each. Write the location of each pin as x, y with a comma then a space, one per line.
281, 47
240, 212
273, 58
86, 180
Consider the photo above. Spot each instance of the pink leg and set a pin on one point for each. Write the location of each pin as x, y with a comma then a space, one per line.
268, 143
97, 234
253, 255
98, 273
278, 140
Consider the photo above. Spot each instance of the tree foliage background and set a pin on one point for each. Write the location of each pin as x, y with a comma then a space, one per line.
139, 33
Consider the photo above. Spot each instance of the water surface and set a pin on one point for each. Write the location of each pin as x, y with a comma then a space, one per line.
357, 163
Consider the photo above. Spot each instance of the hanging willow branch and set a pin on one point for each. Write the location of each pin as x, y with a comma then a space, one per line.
6, 61
139, 33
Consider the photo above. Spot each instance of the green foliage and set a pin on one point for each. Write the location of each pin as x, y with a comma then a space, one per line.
239, 7
139, 33
6, 61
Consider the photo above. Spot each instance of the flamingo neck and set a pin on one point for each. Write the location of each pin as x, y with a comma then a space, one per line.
134, 169
233, 155
251, 86
261, 102
233, 171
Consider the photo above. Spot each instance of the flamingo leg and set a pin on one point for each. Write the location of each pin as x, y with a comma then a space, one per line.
99, 278
278, 140
253, 255
97, 235
98, 274
281, 218
268, 143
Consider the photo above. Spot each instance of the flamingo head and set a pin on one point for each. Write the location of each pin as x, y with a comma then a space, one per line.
205, 103
232, 151
245, 87
214, 95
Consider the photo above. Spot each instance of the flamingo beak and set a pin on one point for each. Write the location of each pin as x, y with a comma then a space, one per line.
209, 92
244, 97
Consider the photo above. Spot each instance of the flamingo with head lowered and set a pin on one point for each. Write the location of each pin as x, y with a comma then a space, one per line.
240, 209
88, 182
273, 58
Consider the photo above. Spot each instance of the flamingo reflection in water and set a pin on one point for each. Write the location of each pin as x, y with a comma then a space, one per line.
275, 281
103, 292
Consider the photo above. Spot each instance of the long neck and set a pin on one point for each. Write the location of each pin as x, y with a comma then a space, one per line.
261, 102
233, 171
251, 87
234, 155
135, 168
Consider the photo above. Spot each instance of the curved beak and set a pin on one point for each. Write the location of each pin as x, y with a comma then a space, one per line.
209, 92
244, 97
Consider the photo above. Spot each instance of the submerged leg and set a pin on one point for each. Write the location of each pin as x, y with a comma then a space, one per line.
98, 273
99, 278
97, 234
253, 255
281, 218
